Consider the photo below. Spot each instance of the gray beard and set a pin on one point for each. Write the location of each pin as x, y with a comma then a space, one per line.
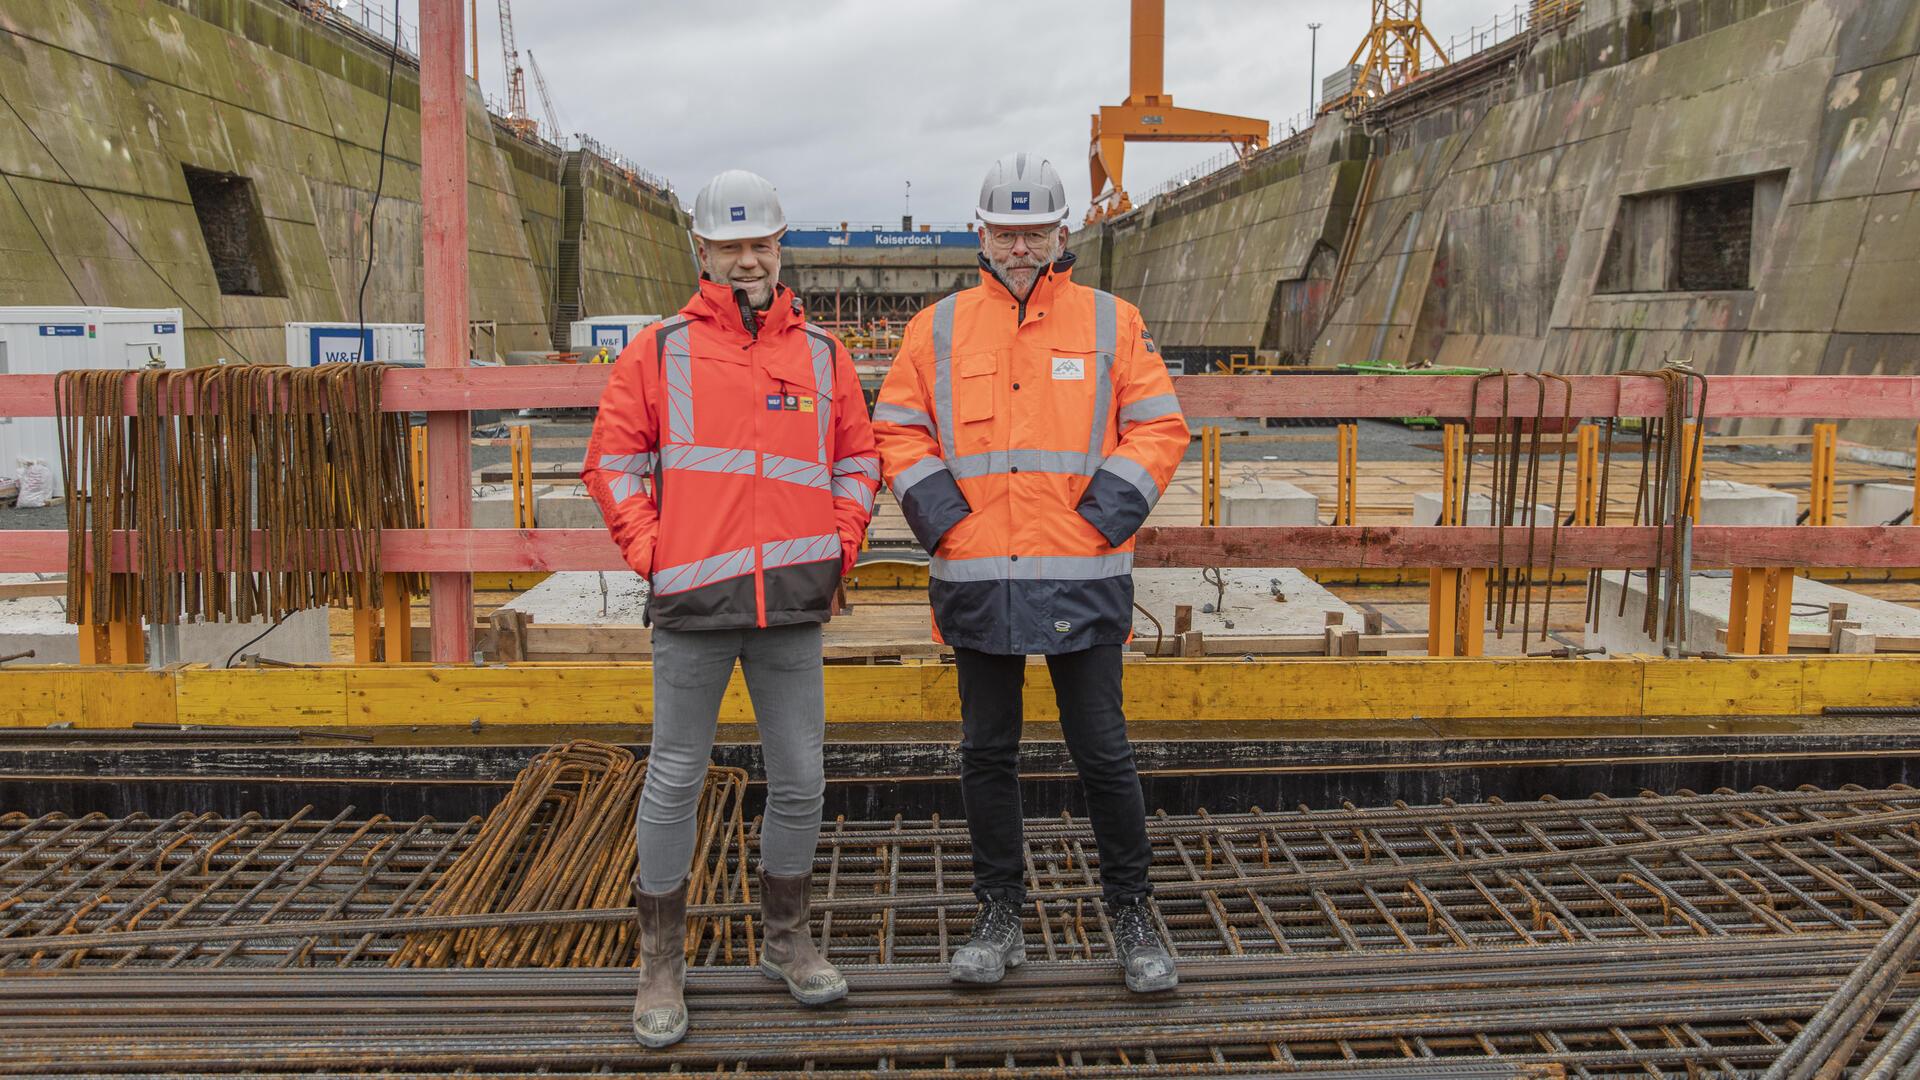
1007, 271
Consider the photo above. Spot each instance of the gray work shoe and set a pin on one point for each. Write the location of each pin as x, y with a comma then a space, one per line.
998, 942
789, 953
659, 1009
1142, 955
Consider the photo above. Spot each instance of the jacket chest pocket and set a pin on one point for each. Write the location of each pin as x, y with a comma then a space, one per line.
975, 377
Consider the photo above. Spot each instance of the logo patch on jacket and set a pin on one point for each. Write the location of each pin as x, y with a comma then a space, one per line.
1062, 626
1069, 367
773, 402
792, 403
806, 404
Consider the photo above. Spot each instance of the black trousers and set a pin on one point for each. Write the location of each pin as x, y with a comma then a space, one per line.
1087, 688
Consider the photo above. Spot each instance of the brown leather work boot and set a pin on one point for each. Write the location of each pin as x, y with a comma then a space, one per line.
659, 1008
789, 952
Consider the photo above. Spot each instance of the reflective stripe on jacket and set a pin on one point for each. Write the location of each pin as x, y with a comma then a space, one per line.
1025, 448
735, 467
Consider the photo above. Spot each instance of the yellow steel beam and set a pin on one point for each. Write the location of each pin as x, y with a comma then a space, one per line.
1188, 690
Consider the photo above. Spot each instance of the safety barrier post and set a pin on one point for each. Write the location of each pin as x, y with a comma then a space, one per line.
520, 446
1759, 619
396, 618
93, 630
1210, 475
1586, 475
417, 444
1443, 598
1825, 461
366, 634
1695, 448
1347, 436
1457, 611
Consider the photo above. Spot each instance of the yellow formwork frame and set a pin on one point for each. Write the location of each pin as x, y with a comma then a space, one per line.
1295, 690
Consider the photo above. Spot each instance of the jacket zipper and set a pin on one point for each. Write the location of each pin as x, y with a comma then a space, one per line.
753, 533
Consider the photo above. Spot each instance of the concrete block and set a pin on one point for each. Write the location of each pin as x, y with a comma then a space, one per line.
1426, 511
40, 624
1726, 502
1879, 504
493, 505
1710, 597
1268, 502
1250, 603
570, 507
301, 638
585, 597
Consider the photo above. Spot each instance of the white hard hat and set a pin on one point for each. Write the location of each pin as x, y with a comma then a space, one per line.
1022, 189
737, 205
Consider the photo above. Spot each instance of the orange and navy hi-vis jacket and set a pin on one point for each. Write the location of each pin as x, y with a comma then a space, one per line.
733, 461
1026, 443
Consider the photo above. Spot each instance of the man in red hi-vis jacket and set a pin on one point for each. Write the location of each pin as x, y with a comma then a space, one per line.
733, 461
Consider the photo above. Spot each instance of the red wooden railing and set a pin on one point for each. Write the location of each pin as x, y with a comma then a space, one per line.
460, 551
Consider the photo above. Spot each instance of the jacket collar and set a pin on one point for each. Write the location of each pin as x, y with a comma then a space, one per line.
721, 306
1055, 278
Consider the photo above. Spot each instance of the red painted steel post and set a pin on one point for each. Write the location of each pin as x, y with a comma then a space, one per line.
443, 167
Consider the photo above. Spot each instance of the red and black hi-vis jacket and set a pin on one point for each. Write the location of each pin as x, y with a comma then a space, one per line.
733, 461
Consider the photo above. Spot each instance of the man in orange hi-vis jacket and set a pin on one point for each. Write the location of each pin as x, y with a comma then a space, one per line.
734, 462
1027, 427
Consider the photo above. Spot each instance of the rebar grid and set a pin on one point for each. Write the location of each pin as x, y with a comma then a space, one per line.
1684, 935
1854, 878
1723, 1008
1474, 876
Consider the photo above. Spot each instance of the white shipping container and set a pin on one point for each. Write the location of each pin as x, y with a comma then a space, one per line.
313, 343
48, 340
609, 332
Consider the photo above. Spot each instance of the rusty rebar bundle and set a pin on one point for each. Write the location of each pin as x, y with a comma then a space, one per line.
563, 840
207, 458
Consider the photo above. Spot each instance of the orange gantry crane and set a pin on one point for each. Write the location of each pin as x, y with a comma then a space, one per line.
1149, 115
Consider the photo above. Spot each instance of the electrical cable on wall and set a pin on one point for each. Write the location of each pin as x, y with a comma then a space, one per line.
380, 180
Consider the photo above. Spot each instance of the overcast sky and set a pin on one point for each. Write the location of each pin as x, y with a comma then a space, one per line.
841, 102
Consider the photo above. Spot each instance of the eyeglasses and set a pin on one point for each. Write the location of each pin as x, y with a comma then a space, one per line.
1036, 239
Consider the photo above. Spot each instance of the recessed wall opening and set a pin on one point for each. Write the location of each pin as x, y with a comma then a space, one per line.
1698, 239
235, 232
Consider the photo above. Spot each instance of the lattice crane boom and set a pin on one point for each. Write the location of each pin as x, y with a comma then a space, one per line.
546, 98
516, 77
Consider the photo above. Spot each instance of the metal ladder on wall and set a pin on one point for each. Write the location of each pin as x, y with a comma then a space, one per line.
566, 269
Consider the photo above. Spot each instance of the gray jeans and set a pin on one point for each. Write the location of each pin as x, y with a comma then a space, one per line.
690, 673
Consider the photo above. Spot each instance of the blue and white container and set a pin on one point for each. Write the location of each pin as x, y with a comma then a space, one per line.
609, 332
313, 343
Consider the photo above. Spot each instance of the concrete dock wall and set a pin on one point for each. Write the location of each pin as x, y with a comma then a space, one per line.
129, 97
1729, 181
